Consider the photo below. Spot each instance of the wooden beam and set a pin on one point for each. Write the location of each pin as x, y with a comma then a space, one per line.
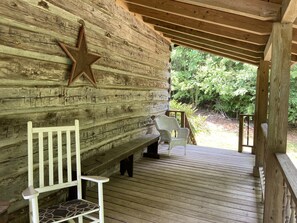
261, 113
294, 48
267, 51
295, 35
201, 26
289, 11
216, 52
261, 10
211, 45
165, 27
288, 15
278, 119
211, 16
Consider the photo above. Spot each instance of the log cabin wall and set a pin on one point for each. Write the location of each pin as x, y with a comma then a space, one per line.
132, 80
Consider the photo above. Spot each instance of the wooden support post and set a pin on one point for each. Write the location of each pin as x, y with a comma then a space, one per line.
182, 119
278, 119
240, 135
260, 114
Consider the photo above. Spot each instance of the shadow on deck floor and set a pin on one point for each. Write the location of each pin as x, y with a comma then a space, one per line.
207, 185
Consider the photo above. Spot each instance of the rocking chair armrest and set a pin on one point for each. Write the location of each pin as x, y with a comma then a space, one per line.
30, 193
96, 179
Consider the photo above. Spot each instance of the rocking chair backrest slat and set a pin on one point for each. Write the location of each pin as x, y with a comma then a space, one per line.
41, 159
60, 157
56, 149
30, 154
50, 158
69, 166
78, 167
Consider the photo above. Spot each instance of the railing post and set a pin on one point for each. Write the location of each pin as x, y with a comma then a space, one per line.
182, 114
240, 134
260, 114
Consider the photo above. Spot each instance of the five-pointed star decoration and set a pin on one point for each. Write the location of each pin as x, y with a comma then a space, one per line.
81, 58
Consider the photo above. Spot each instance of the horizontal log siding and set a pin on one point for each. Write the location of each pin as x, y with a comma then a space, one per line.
132, 80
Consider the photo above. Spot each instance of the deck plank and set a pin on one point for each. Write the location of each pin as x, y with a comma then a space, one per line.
208, 185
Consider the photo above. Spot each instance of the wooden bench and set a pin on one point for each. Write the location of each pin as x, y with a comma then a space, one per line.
122, 154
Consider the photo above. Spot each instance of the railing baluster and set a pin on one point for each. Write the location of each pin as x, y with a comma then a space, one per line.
287, 204
245, 127
293, 211
285, 201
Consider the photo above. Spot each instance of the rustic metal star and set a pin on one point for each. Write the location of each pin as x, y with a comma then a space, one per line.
81, 58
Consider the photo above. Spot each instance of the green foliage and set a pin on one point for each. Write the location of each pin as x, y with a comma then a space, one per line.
219, 84
292, 113
213, 82
197, 122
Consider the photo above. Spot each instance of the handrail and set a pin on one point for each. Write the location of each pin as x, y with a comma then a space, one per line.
184, 123
289, 173
189, 126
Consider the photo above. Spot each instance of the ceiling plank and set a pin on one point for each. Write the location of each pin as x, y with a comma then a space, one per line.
214, 48
208, 15
162, 26
201, 26
253, 62
288, 15
210, 44
262, 10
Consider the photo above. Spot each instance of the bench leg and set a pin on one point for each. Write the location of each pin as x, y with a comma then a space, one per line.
123, 166
152, 151
130, 166
127, 165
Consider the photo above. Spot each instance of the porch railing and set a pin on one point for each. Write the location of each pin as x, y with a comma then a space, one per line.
245, 138
289, 176
184, 123
289, 173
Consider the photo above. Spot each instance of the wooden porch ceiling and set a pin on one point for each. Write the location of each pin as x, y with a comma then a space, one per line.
237, 29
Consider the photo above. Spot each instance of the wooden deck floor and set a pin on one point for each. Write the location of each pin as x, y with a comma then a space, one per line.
207, 185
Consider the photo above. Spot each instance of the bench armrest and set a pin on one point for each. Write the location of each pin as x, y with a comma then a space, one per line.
96, 179
30, 193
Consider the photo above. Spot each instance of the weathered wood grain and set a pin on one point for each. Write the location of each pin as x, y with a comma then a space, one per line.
68, 26
132, 81
14, 69
207, 185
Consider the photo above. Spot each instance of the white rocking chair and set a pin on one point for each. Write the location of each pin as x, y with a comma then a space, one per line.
54, 147
166, 125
